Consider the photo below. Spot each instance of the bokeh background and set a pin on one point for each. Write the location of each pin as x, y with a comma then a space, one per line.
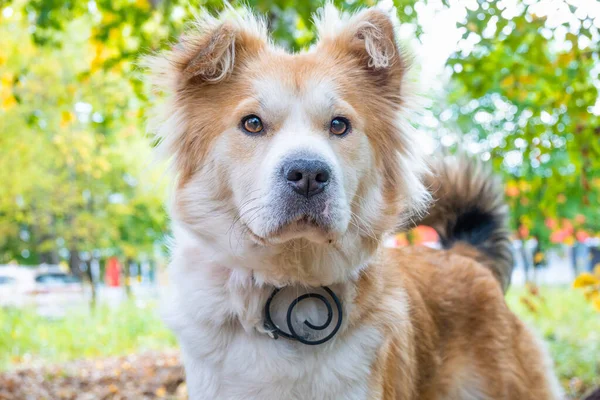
82, 219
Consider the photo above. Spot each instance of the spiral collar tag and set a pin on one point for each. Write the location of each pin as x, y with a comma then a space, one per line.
292, 334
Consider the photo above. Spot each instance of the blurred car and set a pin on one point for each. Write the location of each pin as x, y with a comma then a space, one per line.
9, 290
53, 281
14, 283
47, 288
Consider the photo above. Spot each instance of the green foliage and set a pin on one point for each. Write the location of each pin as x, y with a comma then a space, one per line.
74, 166
525, 92
26, 337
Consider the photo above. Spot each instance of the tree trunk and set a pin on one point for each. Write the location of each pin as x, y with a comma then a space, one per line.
526, 264
90, 277
50, 257
75, 262
127, 276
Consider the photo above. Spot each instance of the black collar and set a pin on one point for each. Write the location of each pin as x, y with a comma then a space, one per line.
292, 335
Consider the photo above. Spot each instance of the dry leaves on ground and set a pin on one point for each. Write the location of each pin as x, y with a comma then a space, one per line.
139, 376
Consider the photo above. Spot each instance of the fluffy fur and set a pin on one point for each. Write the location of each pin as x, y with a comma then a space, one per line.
469, 208
420, 324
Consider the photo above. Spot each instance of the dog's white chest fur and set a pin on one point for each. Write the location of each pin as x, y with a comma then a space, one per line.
218, 318
260, 368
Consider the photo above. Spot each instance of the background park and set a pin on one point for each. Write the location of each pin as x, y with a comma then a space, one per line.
514, 82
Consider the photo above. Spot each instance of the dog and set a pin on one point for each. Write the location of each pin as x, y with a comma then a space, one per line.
289, 170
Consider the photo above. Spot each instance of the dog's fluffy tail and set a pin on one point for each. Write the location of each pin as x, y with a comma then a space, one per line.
469, 208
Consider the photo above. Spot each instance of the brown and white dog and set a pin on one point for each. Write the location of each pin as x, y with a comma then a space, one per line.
290, 169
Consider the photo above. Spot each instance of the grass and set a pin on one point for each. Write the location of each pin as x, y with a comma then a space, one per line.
570, 326
27, 338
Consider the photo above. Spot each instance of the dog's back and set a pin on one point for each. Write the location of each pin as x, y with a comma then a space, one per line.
468, 344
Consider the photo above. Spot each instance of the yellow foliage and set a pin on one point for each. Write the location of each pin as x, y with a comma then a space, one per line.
142, 4
7, 79
102, 164
524, 186
129, 250
507, 82
539, 257
66, 118
114, 34
586, 279
108, 17
591, 284
8, 102
526, 79
565, 59
592, 295
596, 303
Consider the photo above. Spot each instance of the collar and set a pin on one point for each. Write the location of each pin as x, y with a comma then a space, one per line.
291, 333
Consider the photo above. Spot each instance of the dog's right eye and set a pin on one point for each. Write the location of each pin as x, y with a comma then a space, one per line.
252, 125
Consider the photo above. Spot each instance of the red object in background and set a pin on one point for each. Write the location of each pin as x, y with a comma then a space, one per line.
550, 223
523, 232
582, 236
113, 272
558, 236
425, 234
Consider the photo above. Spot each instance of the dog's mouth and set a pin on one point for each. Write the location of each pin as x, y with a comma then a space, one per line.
307, 221
303, 225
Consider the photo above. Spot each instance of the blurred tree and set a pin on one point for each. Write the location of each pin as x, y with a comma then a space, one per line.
525, 93
72, 159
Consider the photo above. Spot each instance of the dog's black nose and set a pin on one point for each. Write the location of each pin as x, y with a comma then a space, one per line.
307, 177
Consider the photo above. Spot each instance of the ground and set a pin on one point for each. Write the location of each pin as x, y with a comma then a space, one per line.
144, 376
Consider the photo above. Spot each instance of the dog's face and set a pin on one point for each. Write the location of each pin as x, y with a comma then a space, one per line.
293, 151
274, 149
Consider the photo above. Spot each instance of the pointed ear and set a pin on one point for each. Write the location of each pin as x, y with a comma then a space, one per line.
209, 51
210, 55
368, 38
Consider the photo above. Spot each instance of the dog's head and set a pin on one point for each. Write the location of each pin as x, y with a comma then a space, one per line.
302, 157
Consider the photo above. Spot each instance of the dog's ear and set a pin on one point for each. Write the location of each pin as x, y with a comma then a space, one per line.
208, 55
368, 39
209, 51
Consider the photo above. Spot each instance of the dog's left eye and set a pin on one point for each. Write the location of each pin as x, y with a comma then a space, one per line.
252, 124
339, 126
